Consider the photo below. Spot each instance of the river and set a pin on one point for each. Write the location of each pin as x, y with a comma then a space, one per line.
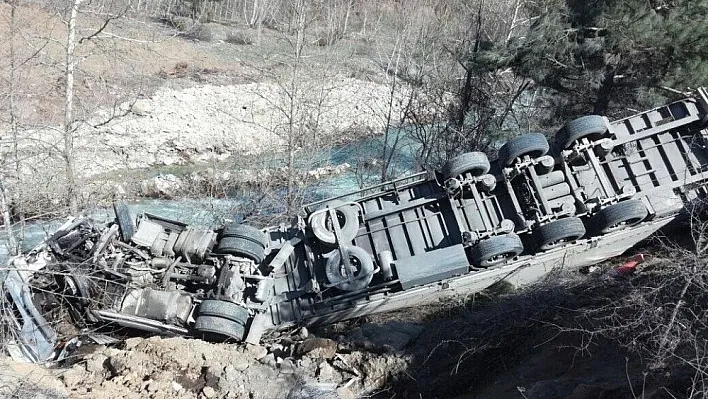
209, 211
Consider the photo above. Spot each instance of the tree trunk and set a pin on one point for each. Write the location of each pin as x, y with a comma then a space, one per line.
68, 153
12, 244
602, 101
350, 5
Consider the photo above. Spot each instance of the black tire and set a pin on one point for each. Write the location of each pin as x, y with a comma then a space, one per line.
217, 329
241, 247
532, 144
225, 310
125, 219
591, 126
247, 232
359, 259
348, 217
616, 216
559, 232
474, 163
496, 250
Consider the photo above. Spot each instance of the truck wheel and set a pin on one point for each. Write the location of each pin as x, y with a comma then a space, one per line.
126, 220
496, 250
241, 247
621, 214
247, 232
225, 310
591, 126
533, 144
559, 232
363, 266
217, 329
474, 163
347, 217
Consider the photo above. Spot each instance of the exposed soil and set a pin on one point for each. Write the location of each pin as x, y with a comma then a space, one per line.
180, 102
147, 97
510, 346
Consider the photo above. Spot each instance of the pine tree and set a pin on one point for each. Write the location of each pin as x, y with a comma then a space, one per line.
607, 56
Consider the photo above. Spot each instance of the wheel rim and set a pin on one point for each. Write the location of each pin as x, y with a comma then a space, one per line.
473, 172
355, 264
341, 219
499, 258
557, 243
621, 224
532, 154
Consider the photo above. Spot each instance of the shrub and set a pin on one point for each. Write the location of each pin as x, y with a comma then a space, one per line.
199, 32
238, 38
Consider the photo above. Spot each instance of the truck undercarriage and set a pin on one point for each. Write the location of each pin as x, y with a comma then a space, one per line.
595, 190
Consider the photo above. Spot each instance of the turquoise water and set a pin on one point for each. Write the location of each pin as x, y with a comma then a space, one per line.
364, 172
211, 211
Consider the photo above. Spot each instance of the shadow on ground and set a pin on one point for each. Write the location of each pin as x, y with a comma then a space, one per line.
536, 343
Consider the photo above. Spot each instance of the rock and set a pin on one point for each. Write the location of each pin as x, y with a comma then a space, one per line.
255, 352
141, 107
111, 352
230, 373
303, 333
324, 371
208, 392
95, 363
317, 348
161, 186
376, 370
176, 386
345, 393
240, 363
73, 377
305, 363
394, 335
120, 191
131, 343
153, 386
269, 359
287, 366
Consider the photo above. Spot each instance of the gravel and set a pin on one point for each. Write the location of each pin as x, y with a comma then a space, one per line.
197, 125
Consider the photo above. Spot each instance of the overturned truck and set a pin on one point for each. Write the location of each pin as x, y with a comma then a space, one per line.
595, 191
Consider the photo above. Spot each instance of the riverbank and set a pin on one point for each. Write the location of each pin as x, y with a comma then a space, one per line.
211, 136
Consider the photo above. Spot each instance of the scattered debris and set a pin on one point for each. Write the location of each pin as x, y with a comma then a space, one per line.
628, 268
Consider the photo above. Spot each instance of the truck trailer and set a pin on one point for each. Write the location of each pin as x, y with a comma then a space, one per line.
591, 192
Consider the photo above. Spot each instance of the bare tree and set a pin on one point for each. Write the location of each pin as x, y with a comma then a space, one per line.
69, 123
13, 238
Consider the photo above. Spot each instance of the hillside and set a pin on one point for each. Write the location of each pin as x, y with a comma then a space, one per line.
251, 102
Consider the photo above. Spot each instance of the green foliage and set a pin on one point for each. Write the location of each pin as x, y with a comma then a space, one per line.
603, 55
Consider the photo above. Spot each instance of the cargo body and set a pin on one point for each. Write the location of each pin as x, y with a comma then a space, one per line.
591, 192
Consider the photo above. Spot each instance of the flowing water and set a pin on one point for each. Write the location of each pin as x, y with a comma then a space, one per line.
209, 211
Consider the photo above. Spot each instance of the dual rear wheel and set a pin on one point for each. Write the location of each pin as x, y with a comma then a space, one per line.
243, 240
221, 321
